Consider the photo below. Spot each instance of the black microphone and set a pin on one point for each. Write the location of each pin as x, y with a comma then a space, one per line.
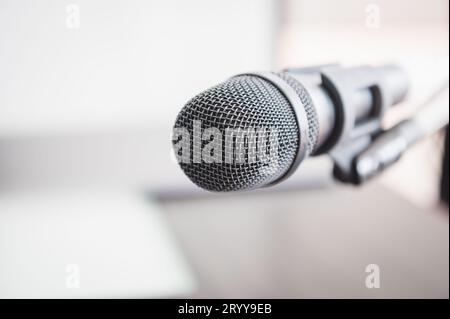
254, 129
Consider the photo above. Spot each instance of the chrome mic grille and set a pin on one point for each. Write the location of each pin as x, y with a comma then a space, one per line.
243, 102
313, 122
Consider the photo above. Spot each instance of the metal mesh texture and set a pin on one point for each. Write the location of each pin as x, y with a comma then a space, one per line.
243, 102
313, 122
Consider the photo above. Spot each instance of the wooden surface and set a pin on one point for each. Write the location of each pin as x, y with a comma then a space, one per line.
312, 243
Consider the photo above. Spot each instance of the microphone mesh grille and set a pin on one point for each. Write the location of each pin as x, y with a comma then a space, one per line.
244, 101
311, 115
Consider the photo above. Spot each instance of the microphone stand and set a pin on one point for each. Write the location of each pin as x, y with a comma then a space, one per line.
369, 151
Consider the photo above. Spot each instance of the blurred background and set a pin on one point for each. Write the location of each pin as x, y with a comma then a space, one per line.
93, 204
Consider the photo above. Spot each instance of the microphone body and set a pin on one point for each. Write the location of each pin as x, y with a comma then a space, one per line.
311, 110
346, 97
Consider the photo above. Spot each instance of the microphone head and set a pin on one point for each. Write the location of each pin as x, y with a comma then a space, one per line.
249, 135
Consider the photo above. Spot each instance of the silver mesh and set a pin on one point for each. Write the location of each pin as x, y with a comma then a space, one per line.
244, 101
311, 115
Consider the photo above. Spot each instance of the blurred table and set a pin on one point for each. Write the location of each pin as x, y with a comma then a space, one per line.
312, 243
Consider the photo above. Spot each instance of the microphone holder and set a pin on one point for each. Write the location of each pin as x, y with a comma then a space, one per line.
360, 96
369, 150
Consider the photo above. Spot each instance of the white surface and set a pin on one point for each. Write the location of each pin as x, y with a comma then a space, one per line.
130, 63
118, 242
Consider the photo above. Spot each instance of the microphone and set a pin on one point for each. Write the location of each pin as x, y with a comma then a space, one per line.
254, 129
